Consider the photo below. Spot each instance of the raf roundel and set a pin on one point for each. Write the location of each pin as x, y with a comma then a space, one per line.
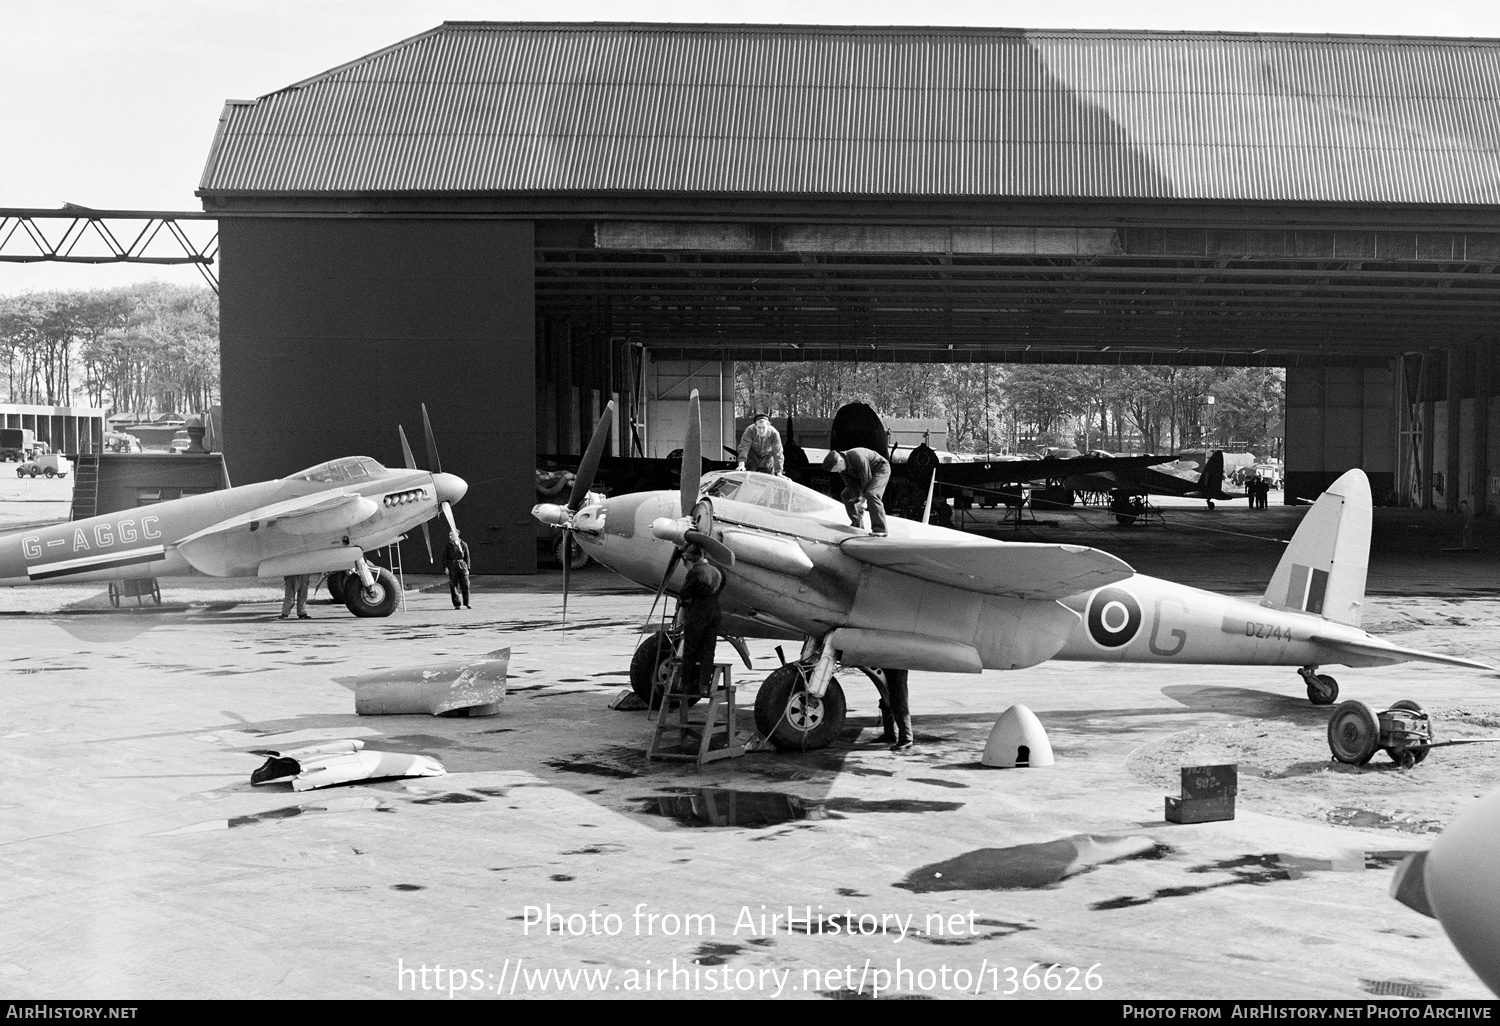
1114, 617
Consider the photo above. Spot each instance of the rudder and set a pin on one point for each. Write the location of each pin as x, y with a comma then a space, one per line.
1324, 568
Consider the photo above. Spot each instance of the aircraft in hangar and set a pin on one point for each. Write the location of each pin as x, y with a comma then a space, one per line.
928, 598
1065, 476
321, 520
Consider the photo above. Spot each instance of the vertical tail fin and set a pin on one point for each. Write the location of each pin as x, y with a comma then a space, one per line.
1323, 569
1211, 481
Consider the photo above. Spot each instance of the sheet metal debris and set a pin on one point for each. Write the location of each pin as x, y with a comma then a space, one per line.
339, 762
458, 688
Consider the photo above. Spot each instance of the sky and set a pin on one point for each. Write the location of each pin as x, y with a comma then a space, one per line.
113, 103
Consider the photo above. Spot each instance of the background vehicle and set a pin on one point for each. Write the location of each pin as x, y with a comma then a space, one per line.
16, 443
51, 465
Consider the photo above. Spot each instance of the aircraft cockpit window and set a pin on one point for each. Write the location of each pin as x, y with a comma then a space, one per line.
805, 500
350, 468
323, 473
762, 490
726, 487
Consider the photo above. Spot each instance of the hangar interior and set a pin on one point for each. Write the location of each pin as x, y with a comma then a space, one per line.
513, 222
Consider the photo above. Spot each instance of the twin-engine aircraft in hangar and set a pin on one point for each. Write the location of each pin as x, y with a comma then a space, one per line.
928, 598
322, 520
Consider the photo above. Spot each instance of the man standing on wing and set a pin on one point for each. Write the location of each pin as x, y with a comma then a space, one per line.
865, 473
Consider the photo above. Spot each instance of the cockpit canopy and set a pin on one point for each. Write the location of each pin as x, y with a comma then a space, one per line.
772, 492
350, 469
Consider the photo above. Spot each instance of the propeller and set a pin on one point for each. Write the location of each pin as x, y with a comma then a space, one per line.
701, 533
435, 465
411, 464
562, 516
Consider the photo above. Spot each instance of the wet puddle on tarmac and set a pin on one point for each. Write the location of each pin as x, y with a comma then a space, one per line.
1347, 816
1259, 870
1028, 866
724, 807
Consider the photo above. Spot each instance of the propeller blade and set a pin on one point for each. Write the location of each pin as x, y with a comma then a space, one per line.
433, 463
712, 548
427, 540
411, 461
692, 457
448, 515
661, 588
589, 465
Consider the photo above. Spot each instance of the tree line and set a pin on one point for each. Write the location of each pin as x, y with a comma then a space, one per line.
151, 347
1008, 407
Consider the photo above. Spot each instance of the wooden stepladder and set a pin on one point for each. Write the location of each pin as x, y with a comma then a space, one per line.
699, 734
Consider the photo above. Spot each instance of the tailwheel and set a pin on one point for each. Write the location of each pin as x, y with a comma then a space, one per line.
378, 600
1321, 689
790, 718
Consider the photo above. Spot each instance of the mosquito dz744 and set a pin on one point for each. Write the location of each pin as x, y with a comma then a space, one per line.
927, 598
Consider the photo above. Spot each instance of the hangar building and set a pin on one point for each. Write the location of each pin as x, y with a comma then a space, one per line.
512, 222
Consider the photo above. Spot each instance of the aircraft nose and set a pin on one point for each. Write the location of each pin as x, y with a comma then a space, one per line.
450, 487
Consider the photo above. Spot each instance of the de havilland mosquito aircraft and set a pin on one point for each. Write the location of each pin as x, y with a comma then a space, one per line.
928, 598
322, 520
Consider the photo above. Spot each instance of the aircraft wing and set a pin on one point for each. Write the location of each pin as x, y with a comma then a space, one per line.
1030, 570
983, 474
225, 548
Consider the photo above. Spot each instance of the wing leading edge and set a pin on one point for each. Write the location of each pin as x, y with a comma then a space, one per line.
1028, 570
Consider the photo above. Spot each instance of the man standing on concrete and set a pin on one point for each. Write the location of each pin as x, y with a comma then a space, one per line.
698, 607
294, 589
456, 562
895, 711
865, 473
760, 447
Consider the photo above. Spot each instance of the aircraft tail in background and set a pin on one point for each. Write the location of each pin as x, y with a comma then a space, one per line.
1211, 481
1324, 568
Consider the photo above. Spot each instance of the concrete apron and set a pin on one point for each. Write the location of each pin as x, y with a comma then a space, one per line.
138, 862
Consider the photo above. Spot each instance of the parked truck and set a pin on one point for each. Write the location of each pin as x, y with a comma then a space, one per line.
16, 444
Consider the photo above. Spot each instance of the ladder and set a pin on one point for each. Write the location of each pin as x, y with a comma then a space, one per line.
85, 485
698, 739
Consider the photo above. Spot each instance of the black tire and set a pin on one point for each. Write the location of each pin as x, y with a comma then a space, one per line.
1353, 733
380, 600
654, 663
335, 583
1326, 692
1417, 754
580, 558
791, 720
49, 472
20, 471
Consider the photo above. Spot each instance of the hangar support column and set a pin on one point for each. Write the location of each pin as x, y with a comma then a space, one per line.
334, 330
1452, 486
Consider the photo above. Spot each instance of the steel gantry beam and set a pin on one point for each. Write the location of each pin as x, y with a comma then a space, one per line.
82, 235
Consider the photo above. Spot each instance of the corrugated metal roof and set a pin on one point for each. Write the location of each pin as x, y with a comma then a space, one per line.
923, 112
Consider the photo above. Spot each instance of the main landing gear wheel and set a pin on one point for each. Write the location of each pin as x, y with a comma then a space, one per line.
1353, 733
580, 558
790, 718
377, 601
1322, 690
653, 667
335, 583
